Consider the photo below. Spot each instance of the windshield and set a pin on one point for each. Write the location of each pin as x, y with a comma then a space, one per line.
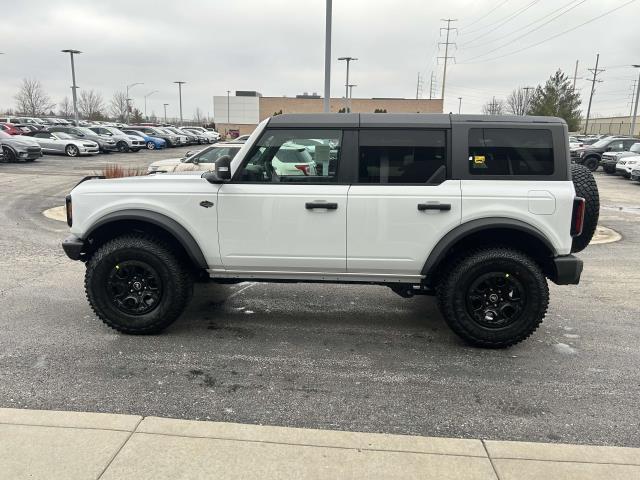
62, 135
86, 131
115, 131
212, 154
601, 143
635, 148
134, 132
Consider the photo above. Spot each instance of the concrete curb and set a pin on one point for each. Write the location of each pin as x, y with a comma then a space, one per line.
79, 445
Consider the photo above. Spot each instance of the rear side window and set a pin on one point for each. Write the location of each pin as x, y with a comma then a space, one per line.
510, 151
401, 156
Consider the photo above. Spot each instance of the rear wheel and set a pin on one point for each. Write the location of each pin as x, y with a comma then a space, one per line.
494, 298
71, 151
586, 187
136, 285
151, 145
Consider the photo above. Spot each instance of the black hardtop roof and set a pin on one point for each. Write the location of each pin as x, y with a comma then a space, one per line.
398, 120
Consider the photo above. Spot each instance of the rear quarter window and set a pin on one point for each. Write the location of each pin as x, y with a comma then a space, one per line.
510, 151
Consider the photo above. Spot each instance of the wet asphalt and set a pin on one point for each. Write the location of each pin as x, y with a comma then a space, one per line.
322, 356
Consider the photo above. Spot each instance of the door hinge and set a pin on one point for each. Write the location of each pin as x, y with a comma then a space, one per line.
206, 204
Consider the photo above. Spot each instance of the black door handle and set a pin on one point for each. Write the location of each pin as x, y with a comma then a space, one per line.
328, 206
434, 206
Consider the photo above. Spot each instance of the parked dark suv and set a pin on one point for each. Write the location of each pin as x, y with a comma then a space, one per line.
591, 155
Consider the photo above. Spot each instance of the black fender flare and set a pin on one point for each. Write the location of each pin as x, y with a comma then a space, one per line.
159, 220
438, 253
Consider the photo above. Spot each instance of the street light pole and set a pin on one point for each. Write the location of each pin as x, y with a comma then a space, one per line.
346, 84
228, 93
326, 102
74, 87
180, 83
351, 85
131, 85
635, 108
459, 105
165, 105
145, 103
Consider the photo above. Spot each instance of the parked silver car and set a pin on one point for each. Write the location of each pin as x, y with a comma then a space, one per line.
124, 142
19, 148
106, 143
60, 142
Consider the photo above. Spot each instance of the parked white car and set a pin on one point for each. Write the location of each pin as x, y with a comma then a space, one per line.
195, 161
626, 165
213, 137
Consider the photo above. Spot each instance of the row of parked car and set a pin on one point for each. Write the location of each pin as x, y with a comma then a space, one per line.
616, 155
28, 141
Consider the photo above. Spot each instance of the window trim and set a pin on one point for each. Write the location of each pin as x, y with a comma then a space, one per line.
338, 179
447, 163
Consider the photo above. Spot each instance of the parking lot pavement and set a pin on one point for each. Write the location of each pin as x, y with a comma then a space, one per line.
320, 356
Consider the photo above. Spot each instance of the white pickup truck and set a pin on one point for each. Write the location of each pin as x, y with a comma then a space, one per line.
478, 210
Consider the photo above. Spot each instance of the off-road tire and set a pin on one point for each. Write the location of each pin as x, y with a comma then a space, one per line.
610, 169
453, 289
587, 188
591, 163
176, 279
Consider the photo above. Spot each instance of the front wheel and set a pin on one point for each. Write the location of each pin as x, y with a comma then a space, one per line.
122, 147
610, 169
591, 163
71, 151
136, 285
494, 298
151, 145
9, 155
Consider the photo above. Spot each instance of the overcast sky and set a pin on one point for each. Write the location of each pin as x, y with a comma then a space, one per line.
277, 48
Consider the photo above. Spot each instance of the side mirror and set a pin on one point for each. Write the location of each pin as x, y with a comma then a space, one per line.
221, 172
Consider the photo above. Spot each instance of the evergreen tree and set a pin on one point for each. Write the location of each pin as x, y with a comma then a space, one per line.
558, 99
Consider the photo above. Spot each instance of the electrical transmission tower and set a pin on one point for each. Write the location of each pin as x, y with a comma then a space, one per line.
596, 71
419, 86
432, 85
446, 44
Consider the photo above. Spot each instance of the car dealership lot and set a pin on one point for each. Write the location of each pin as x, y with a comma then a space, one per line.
276, 354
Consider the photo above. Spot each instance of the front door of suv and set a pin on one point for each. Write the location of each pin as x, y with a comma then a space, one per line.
402, 204
284, 210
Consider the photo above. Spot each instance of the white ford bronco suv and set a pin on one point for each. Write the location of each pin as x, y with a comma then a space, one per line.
477, 210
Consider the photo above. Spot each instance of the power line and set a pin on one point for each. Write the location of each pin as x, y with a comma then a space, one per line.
510, 42
503, 21
489, 12
558, 34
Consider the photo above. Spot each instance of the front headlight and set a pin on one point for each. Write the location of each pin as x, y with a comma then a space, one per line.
582, 153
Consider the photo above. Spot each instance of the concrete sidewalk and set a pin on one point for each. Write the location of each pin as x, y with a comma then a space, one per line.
38, 444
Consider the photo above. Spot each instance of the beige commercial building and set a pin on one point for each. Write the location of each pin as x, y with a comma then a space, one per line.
612, 125
243, 113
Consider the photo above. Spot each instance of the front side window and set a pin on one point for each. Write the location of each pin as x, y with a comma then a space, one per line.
401, 156
510, 151
289, 156
211, 155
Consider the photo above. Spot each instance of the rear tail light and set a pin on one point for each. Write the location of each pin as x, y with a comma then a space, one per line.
577, 218
68, 205
303, 168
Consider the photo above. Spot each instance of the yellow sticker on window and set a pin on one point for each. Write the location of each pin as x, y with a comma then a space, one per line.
479, 159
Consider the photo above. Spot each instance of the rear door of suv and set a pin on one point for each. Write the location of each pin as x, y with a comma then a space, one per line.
403, 202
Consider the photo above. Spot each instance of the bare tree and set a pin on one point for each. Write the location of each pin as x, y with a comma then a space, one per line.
91, 105
65, 108
119, 106
494, 107
519, 101
197, 116
31, 98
